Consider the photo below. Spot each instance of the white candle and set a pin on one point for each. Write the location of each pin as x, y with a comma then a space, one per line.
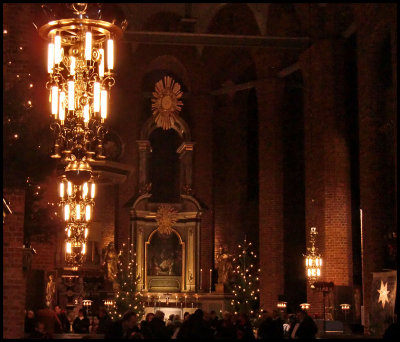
201, 277
210, 279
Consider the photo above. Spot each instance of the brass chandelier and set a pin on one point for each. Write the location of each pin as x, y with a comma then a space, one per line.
80, 66
313, 260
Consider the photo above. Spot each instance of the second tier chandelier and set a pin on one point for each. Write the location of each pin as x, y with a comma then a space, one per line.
313, 259
80, 66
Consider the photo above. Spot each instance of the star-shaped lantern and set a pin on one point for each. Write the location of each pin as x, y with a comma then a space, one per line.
383, 294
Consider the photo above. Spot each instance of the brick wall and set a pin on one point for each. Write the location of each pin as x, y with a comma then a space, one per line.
13, 277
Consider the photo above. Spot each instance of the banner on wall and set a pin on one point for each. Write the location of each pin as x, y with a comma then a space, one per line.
383, 299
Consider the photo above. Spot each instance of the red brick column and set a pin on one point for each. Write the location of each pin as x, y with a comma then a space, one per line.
201, 112
269, 98
13, 279
327, 164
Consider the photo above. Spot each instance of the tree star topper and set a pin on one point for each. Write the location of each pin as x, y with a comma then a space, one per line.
166, 218
166, 102
383, 294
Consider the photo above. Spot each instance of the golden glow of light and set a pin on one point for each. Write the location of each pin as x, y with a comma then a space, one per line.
101, 64
62, 189
78, 212
50, 58
96, 97
71, 95
86, 232
86, 113
57, 50
104, 104
110, 54
83, 248
69, 188
54, 100
309, 272
88, 46
69, 249
69, 232
93, 189
72, 66
85, 190
61, 109
318, 272
66, 212
88, 213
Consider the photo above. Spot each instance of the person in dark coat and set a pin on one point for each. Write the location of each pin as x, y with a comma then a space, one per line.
195, 327
125, 328
50, 320
30, 322
105, 322
266, 328
81, 323
244, 329
277, 323
145, 326
225, 328
65, 326
306, 327
214, 321
157, 326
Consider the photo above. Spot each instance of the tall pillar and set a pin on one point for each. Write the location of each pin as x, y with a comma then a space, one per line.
327, 166
269, 97
144, 147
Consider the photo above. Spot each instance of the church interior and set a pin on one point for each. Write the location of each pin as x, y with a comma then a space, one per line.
230, 135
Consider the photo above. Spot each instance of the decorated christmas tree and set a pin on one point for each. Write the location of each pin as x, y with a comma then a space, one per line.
127, 297
245, 280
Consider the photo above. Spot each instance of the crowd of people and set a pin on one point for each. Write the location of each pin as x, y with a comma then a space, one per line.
200, 324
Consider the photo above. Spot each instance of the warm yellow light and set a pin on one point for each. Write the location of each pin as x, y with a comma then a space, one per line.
61, 109
50, 58
104, 104
101, 64
86, 232
57, 50
69, 188
71, 95
110, 54
306, 262
83, 248
78, 212
320, 262
66, 212
88, 213
85, 190
86, 113
318, 272
88, 46
93, 189
62, 189
69, 249
54, 100
96, 97
72, 66
309, 272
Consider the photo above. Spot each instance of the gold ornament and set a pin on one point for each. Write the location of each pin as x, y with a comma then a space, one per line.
166, 102
166, 218
383, 294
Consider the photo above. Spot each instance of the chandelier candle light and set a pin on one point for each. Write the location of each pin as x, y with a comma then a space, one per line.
313, 260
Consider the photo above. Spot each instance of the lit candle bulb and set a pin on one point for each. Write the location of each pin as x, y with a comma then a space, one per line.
57, 50
88, 46
88, 213
93, 188
86, 114
69, 250
66, 212
61, 110
110, 54
69, 188
62, 189
69, 232
103, 104
86, 232
72, 66
101, 64
50, 58
83, 248
54, 100
71, 95
85, 190
96, 97
78, 212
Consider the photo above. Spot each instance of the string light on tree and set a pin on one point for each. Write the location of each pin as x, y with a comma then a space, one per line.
246, 280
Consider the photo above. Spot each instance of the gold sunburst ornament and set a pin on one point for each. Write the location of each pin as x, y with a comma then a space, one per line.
166, 102
166, 218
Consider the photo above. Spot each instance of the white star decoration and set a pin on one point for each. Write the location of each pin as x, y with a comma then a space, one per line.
383, 294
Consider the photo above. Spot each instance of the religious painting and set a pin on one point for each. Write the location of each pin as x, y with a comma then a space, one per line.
164, 255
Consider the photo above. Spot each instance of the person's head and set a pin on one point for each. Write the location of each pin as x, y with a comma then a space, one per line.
171, 317
177, 318
30, 314
40, 327
226, 316
265, 314
213, 314
57, 309
160, 315
275, 314
81, 313
129, 319
186, 316
149, 317
301, 314
102, 312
